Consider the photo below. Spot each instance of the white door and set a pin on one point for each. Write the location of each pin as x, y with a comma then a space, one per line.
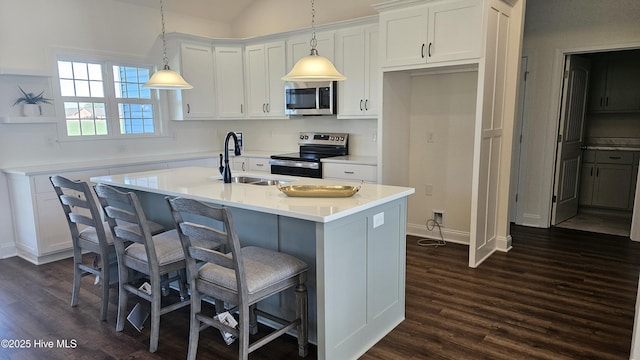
570, 139
517, 165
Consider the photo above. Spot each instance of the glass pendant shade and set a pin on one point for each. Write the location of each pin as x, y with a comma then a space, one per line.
167, 79
314, 68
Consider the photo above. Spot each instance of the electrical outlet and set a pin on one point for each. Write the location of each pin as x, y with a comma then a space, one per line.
428, 189
438, 216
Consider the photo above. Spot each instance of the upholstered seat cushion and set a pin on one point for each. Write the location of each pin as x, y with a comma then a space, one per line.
168, 248
262, 268
167, 245
89, 233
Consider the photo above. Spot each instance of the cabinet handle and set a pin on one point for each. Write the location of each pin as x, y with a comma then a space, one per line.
615, 157
597, 172
188, 109
259, 165
241, 109
268, 107
606, 101
366, 105
349, 172
360, 104
264, 108
430, 49
591, 172
422, 51
243, 166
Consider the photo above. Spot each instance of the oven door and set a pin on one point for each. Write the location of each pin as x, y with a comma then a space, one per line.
312, 169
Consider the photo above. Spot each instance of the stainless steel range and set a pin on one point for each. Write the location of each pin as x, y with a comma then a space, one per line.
313, 148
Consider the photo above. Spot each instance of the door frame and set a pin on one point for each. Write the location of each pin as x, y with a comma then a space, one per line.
548, 176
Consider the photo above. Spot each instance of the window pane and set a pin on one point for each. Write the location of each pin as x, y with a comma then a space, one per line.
136, 119
82, 88
67, 88
96, 89
64, 70
95, 72
128, 82
80, 71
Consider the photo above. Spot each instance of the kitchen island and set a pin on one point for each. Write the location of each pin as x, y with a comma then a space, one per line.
355, 246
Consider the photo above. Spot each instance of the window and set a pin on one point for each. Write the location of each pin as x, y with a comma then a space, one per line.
106, 99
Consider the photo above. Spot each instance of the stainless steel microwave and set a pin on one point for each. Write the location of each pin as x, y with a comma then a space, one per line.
310, 98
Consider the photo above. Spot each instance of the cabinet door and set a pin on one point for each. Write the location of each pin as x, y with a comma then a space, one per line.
256, 80
300, 46
612, 186
403, 36
265, 66
587, 178
351, 60
357, 58
229, 82
598, 82
197, 68
623, 81
53, 230
453, 32
276, 68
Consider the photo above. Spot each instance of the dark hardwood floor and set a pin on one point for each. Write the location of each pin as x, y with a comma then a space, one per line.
559, 294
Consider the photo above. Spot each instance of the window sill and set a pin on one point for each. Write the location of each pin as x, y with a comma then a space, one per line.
27, 119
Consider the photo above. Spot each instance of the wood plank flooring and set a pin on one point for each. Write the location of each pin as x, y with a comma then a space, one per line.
559, 294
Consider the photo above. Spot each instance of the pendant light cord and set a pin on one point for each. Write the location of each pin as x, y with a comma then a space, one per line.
314, 41
165, 59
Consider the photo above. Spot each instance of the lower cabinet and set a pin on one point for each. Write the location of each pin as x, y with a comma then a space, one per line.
608, 179
352, 172
40, 227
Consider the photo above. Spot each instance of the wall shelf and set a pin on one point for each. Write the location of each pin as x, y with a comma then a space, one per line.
27, 119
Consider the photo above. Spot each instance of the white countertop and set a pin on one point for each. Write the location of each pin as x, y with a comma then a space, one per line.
205, 184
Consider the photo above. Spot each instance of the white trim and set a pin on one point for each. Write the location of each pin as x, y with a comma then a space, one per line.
454, 236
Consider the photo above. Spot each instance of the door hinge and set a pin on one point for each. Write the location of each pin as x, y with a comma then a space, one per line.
526, 75
553, 199
566, 74
517, 197
559, 138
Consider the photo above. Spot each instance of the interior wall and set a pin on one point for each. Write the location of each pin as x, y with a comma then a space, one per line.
551, 28
441, 134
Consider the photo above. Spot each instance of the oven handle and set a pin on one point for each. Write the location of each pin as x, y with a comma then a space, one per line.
296, 164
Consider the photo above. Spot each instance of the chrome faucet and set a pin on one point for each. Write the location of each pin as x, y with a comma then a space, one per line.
224, 169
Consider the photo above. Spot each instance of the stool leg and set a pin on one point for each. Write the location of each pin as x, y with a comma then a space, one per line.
301, 314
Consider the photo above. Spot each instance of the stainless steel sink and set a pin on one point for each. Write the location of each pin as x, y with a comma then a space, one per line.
256, 180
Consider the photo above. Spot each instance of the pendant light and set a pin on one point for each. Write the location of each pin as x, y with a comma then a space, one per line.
313, 67
166, 79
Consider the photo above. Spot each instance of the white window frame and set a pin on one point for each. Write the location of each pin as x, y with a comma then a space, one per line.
110, 99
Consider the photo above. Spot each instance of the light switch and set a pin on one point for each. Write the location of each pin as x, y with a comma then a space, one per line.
378, 219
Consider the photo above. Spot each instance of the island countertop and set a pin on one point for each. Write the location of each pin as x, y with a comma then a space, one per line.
205, 184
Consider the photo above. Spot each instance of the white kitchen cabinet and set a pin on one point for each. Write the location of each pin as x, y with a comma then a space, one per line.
607, 179
422, 34
260, 164
229, 82
197, 68
357, 59
300, 46
615, 82
41, 230
265, 65
352, 172
238, 163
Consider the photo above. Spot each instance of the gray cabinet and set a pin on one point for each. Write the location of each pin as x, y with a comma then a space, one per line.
615, 82
607, 179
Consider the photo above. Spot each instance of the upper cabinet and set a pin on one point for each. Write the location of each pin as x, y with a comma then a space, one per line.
430, 33
196, 65
265, 65
615, 82
357, 59
300, 46
229, 82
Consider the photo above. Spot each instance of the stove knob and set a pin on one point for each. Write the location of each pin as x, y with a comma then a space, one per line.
341, 138
301, 137
306, 137
331, 138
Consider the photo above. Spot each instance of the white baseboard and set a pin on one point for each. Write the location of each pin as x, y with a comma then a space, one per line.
449, 235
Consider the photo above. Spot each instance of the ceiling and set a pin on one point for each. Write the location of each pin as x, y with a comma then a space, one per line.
217, 10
